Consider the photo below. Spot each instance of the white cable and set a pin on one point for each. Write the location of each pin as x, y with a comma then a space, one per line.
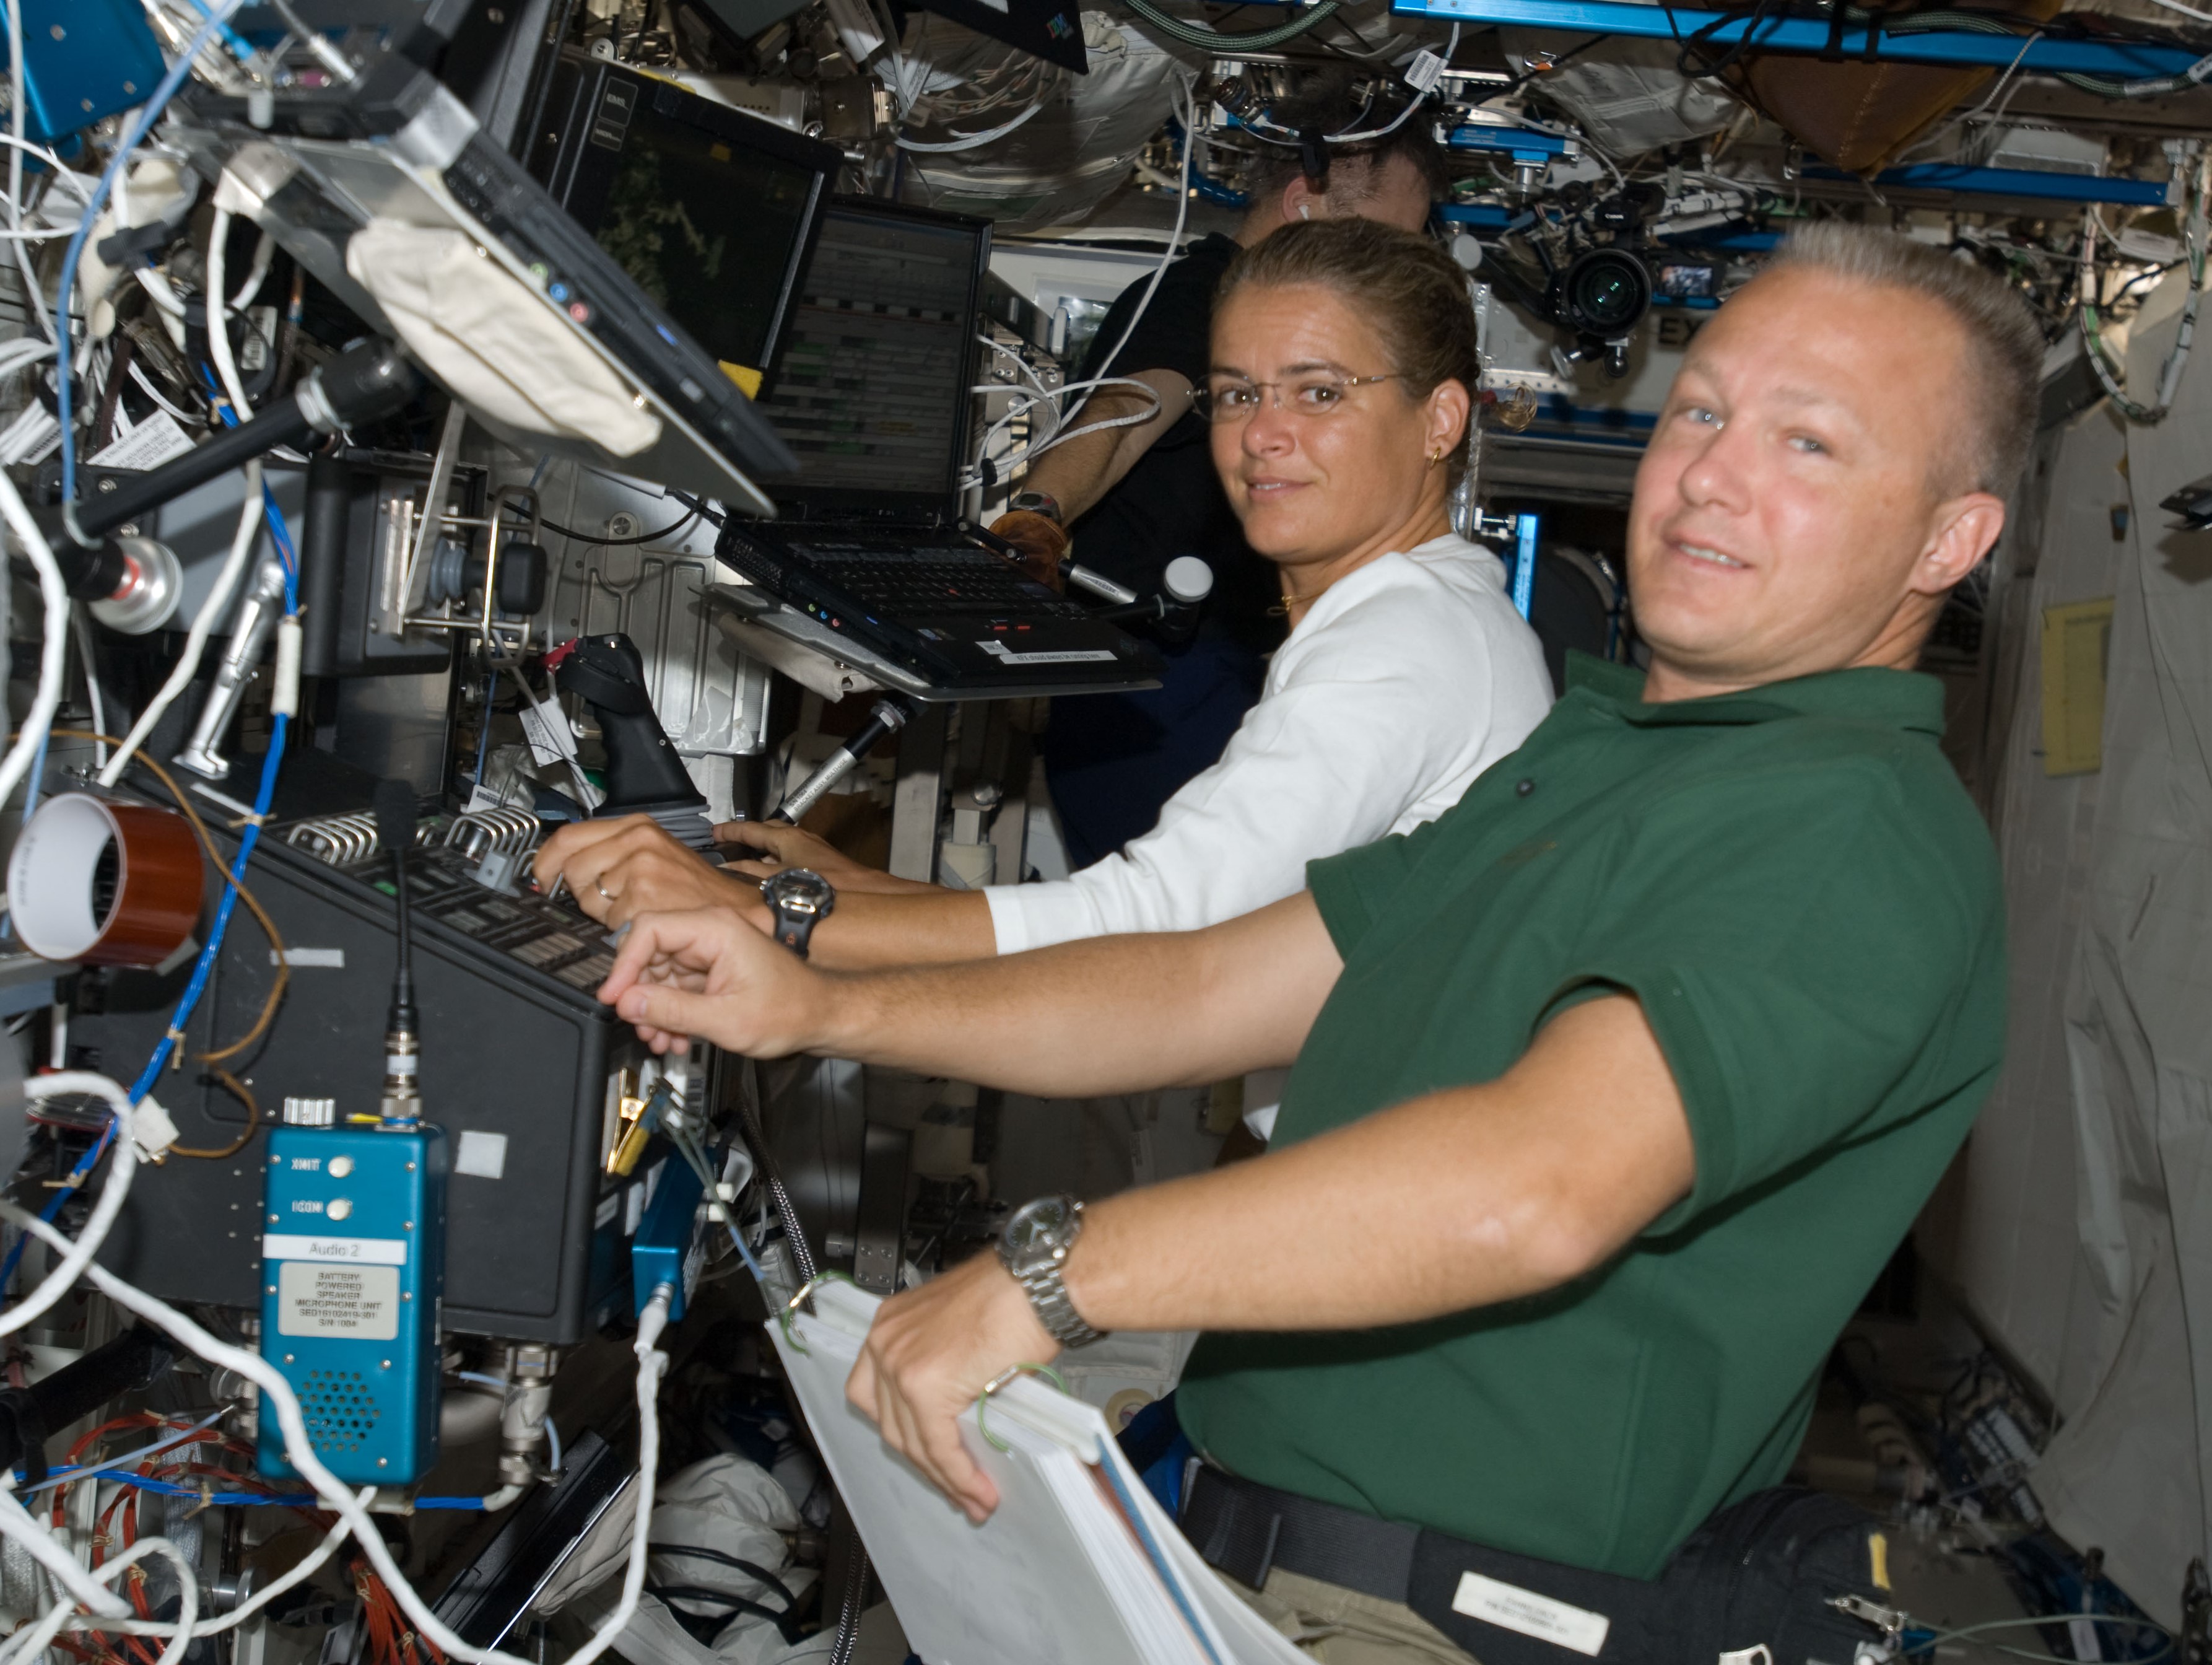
32, 1642
218, 328
147, 388
53, 656
256, 274
17, 109
557, 724
277, 1395
1046, 400
241, 550
159, 288
82, 620
2186, 11
312, 1563
1189, 113
15, 1523
122, 1163
970, 141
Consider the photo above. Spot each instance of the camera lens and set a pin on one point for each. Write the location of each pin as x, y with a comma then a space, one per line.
1605, 292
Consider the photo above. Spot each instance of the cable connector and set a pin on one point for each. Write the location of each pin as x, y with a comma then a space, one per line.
152, 1131
291, 639
234, 196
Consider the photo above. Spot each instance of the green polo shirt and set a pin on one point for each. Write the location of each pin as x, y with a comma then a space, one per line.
1795, 886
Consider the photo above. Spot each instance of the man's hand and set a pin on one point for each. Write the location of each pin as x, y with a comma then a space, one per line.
708, 974
929, 1353
1040, 540
620, 869
790, 847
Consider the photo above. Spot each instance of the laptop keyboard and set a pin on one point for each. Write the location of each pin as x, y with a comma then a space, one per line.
941, 578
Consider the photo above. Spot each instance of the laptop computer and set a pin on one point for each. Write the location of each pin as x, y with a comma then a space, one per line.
867, 558
438, 170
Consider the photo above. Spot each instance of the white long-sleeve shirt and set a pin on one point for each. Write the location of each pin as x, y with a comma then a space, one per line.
1404, 680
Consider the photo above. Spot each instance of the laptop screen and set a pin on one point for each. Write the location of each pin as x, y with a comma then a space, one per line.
873, 392
706, 209
688, 215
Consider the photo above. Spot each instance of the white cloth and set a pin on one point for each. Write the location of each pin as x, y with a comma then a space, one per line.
493, 343
1407, 679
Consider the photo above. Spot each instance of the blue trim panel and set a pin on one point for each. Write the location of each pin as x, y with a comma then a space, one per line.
2127, 59
1485, 214
1474, 136
2011, 182
1524, 563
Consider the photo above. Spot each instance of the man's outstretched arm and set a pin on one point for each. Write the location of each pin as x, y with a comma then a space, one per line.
1455, 1200
1116, 1014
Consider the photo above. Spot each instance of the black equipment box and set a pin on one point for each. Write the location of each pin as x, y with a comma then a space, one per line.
520, 1065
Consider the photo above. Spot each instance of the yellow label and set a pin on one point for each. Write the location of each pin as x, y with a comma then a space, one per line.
2076, 645
1878, 1556
747, 379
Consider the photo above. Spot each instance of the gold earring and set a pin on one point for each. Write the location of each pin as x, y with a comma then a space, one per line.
1435, 457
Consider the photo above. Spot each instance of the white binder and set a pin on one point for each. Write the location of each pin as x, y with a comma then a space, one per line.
1079, 1565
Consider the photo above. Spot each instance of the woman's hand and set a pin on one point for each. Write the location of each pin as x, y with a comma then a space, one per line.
791, 846
709, 974
617, 869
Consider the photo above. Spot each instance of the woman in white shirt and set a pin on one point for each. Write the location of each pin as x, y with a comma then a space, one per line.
1344, 356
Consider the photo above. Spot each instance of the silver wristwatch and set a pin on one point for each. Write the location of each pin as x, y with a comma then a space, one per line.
1034, 1247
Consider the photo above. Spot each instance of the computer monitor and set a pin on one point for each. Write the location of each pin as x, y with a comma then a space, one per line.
709, 209
872, 396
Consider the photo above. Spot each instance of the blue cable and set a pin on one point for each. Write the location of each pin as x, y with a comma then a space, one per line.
193, 990
279, 529
483, 733
280, 1499
147, 115
38, 773
205, 965
231, 38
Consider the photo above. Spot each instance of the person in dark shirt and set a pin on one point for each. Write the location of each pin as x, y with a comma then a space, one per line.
1134, 498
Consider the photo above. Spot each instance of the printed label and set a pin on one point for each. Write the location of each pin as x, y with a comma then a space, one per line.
362, 1251
151, 443
481, 1156
1512, 1608
324, 959
359, 1301
547, 744
1006, 655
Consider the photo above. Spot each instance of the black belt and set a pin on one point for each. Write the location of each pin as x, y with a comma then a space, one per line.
1781, 1567
1247, 1530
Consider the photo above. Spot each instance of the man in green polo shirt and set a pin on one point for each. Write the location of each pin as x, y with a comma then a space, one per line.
1615, 1086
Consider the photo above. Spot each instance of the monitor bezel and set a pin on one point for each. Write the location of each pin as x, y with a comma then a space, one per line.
579, 174
794, 498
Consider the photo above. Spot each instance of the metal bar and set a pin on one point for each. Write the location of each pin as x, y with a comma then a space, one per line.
2126, 59
2012, 182
918, 797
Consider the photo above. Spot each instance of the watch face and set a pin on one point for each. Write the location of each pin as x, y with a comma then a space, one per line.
800, 890
1037, 1225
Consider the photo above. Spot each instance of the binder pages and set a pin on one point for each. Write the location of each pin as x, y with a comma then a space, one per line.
1079, 1565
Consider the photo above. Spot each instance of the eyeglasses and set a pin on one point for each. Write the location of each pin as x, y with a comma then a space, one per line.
1318, 393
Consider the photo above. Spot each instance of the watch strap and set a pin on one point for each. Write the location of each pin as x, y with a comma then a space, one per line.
1049, 1298
793, 929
